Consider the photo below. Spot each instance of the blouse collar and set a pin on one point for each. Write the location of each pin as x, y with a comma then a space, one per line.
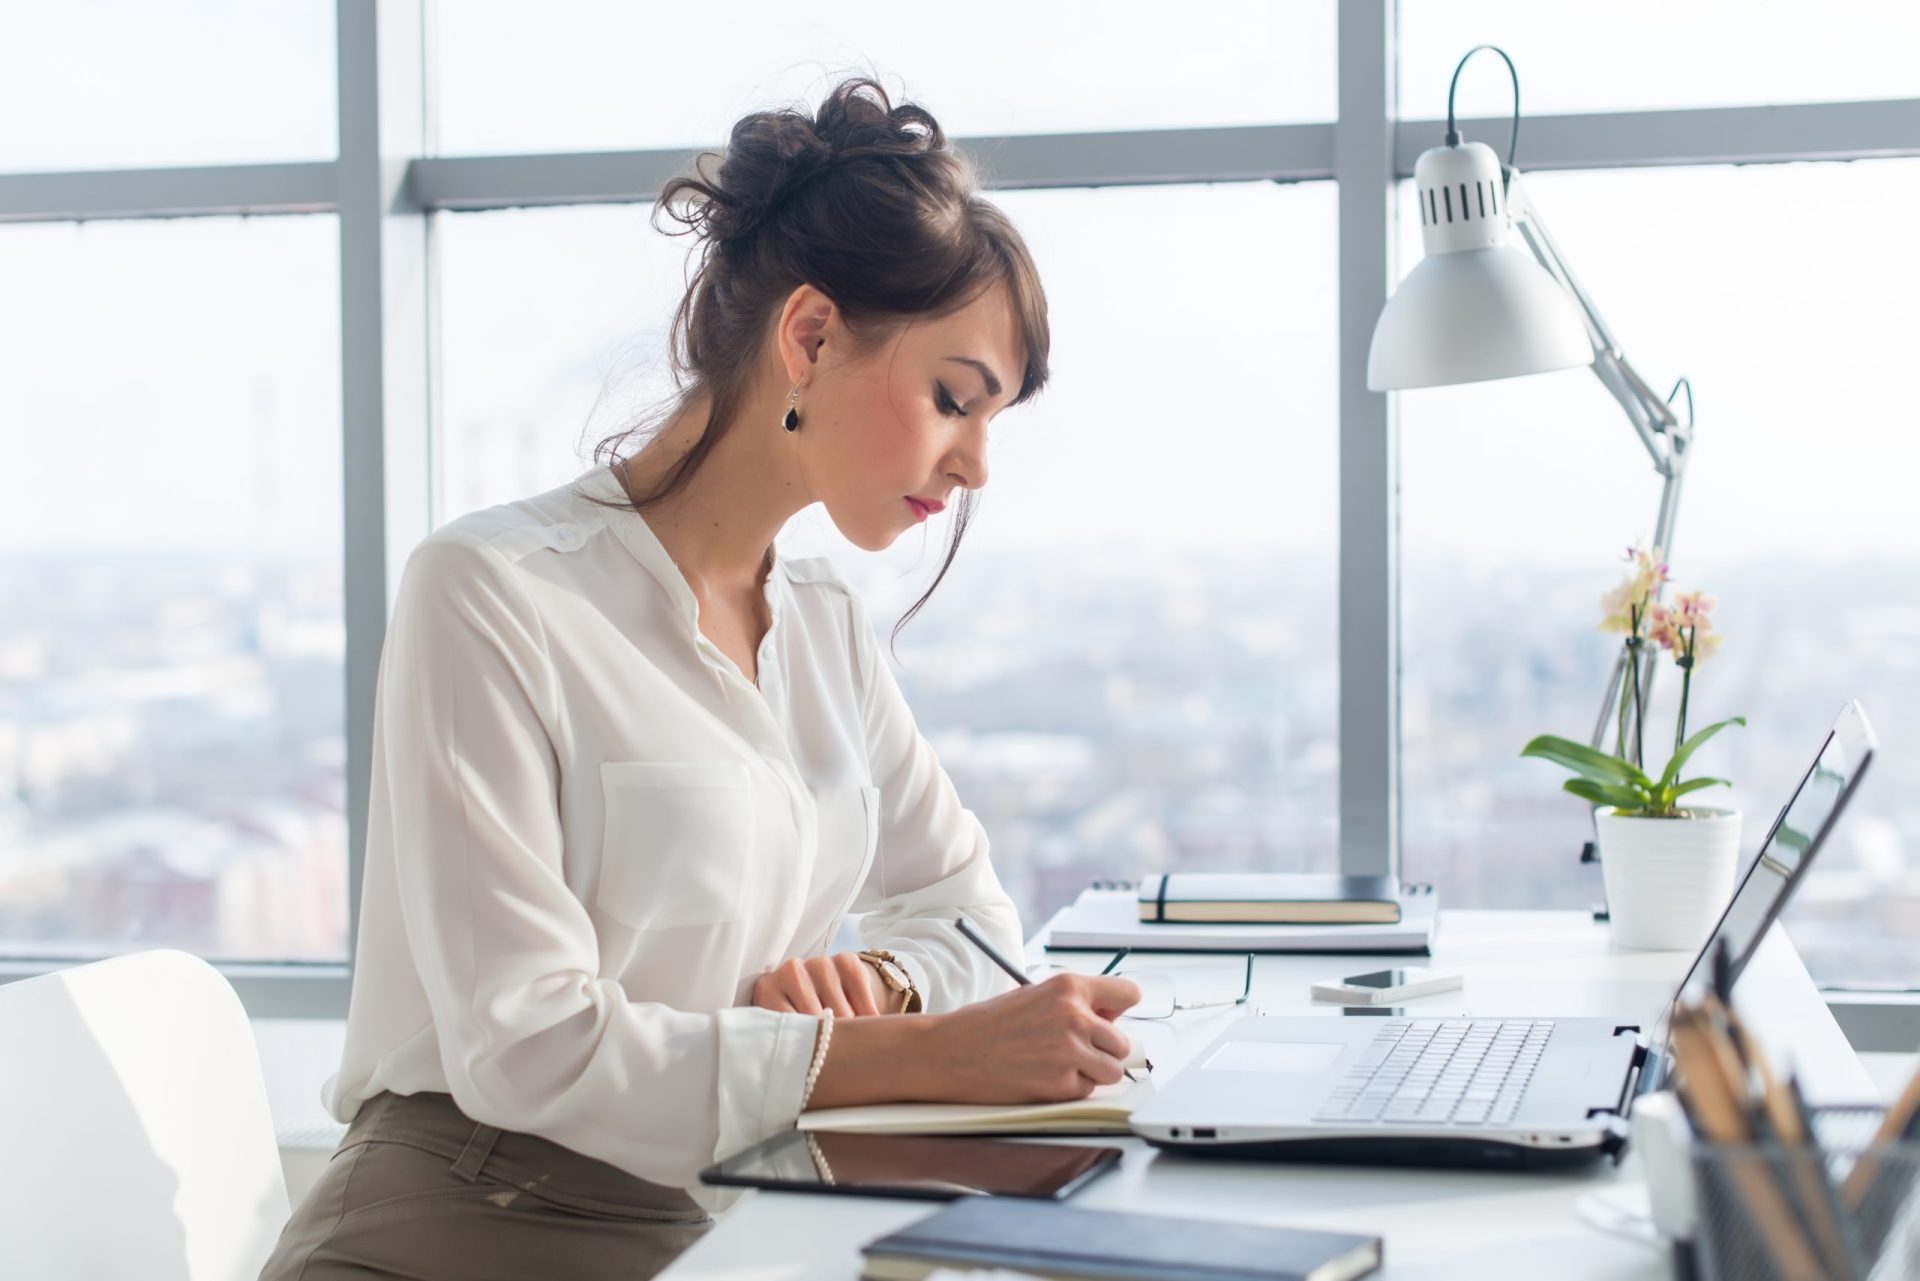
631, 528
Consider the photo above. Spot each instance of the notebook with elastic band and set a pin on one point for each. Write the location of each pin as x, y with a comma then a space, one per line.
1269, 898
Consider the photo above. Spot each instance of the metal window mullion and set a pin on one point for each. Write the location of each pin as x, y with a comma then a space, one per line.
1144, 157
384, 366
1278, 153
1816, 131
1369, 608
197, 191
1820, 131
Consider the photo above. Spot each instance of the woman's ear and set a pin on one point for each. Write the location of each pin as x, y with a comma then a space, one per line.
803, 325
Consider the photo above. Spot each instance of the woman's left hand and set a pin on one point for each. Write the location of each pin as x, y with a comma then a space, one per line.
842, 983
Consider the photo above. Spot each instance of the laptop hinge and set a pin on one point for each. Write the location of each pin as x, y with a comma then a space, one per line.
1614, 1142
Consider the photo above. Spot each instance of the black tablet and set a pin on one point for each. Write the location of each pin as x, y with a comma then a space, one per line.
916, 1166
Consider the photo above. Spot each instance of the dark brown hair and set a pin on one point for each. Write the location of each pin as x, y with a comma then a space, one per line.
866, 202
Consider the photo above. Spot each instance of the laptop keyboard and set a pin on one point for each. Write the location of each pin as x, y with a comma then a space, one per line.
1434, 1071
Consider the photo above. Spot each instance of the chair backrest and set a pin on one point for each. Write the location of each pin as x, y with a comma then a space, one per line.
135, 1137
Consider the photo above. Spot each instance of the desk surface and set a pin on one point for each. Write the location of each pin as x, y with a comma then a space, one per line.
1437, 1223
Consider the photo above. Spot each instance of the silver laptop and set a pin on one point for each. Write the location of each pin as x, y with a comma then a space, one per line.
1478, 1091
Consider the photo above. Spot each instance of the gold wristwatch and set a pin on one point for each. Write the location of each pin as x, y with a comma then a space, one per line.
895, 976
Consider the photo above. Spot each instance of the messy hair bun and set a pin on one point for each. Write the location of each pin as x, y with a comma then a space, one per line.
773, 155
865, 201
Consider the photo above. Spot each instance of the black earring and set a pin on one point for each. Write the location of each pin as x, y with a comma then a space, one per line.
792, 420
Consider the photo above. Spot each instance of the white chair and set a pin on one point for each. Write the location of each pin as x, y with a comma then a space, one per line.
135, 1138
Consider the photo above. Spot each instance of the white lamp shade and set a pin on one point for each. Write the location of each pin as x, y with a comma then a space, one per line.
1473, 315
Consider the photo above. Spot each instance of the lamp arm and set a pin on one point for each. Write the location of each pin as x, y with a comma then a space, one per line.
1649, 415
1665, 437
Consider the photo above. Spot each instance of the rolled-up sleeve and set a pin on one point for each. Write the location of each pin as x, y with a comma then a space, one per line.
532, 1036
932, 863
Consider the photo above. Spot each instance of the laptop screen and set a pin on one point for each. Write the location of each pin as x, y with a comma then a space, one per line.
1797, 834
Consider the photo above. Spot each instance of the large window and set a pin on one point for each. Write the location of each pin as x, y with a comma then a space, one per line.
1518, 497
1136, 662
172, 729
1132, 663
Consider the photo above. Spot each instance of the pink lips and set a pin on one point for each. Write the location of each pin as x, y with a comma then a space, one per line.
923, 509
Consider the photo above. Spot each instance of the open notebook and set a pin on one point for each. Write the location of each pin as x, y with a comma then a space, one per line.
1105, 1111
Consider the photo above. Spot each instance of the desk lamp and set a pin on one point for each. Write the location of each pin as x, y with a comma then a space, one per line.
1476, 309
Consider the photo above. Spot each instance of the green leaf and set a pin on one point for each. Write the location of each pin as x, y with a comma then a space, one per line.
1694, 785
1622, 796
1687, 748
1588, 762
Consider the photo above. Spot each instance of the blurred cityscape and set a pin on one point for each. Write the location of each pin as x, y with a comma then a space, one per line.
172, 758
172, 750
1110, 724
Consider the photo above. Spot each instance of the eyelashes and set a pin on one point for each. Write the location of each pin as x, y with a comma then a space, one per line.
945, 403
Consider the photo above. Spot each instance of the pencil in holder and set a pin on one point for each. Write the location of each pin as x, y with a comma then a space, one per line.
1844, 1209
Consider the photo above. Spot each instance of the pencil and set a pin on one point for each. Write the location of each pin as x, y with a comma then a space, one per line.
1898, 1124
993, 954
1713, 1088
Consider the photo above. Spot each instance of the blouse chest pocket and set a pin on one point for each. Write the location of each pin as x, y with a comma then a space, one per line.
676, 845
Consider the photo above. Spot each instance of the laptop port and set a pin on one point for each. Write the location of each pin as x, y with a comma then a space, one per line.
1207, 1132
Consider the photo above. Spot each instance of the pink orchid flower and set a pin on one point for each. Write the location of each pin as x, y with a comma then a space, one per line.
1619, 606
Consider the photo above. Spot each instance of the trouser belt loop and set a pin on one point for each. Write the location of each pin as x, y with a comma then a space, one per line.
474, 1155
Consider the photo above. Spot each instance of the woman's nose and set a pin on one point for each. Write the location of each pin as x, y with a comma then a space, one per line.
969, 463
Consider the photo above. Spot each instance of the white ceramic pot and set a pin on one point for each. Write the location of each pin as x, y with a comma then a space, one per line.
1668, 879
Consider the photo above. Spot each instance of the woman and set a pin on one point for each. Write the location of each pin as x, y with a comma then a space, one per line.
631, 769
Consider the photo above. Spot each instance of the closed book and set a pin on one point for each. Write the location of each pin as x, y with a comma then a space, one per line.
1270, 898
1050, 1240
1103, 920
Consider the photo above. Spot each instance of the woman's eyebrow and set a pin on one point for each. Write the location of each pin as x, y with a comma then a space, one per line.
993, 384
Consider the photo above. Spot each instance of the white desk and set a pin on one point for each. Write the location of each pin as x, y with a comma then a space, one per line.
1436, 1223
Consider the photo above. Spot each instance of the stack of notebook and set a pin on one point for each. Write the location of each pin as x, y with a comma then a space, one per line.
1250, 912
1269, 898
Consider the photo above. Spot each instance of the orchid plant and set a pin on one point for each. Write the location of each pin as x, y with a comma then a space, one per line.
1685, 629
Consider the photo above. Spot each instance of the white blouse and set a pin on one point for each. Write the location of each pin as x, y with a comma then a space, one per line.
589, 833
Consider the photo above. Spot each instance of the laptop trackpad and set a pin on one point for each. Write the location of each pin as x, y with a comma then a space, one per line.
1283, 1058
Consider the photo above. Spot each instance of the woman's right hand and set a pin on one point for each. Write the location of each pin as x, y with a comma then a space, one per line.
1048, 1042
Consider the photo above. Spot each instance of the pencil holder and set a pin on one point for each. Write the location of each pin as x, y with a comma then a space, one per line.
1847, 1209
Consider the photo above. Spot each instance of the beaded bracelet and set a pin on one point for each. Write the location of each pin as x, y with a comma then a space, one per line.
819, 1056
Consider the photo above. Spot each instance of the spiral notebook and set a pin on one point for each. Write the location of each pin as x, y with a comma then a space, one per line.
1106, 917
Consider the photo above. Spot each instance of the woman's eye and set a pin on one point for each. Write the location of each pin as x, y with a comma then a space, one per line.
945, 401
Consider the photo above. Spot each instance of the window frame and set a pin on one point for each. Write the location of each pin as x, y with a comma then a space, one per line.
385, 182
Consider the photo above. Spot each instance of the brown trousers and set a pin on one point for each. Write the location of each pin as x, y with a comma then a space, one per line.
420, 1190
